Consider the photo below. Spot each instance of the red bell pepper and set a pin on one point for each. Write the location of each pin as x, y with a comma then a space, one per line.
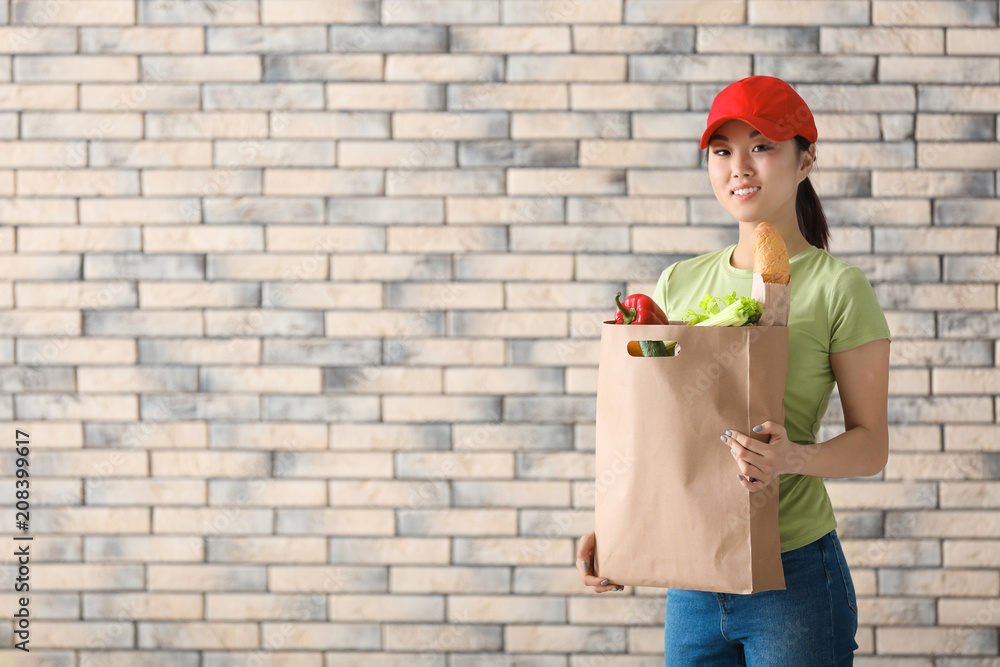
640, 309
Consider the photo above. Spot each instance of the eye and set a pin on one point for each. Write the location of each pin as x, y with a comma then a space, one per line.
721, 151
763, 146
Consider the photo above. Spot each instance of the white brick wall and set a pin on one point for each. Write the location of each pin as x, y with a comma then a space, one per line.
299, 302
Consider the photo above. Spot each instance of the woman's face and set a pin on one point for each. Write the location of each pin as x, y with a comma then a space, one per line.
740, 157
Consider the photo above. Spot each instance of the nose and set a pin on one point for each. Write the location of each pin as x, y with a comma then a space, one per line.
741, 164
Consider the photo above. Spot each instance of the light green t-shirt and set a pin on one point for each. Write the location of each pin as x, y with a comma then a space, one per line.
833, 308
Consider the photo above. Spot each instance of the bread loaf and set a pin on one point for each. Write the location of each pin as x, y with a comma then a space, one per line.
770, 255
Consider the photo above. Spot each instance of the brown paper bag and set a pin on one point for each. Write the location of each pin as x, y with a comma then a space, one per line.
776, 300
669, 511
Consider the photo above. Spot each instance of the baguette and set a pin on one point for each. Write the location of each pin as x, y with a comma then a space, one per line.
770, 255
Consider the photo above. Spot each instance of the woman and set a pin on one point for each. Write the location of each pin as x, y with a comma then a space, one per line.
761, 148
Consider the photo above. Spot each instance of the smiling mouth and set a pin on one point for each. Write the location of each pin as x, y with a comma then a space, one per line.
745, 191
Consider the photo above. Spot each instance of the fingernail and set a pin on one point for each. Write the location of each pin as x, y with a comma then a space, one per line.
585, 566
723, 438
604, 583
739, 477
729, 433
758, 429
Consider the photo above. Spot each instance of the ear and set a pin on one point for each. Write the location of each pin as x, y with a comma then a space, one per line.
806, 161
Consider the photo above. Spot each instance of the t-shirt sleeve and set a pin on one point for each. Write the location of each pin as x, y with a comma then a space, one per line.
856, 317
660, 291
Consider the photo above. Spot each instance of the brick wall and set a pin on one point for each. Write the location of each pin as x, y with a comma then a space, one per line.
299, 304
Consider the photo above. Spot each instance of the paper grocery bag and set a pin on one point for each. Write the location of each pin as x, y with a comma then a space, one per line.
669, 511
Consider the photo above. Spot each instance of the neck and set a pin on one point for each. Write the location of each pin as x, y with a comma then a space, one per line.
742, 257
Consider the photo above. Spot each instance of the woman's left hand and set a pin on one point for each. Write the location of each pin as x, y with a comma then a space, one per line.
760, 461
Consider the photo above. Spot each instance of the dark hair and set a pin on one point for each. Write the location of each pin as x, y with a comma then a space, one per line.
808, 209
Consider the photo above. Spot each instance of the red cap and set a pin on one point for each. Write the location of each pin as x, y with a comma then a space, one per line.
765, 102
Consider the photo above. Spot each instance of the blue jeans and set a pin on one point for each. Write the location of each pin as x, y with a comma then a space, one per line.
811, 623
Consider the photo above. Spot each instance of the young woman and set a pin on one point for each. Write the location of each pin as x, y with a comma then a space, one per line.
761, 148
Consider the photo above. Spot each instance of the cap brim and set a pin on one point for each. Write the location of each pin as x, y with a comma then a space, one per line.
770, 130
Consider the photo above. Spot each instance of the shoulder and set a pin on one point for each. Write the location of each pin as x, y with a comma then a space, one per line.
695, 265
832, 272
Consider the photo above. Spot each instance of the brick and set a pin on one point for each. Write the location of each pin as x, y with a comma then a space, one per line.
319, 350
892, 552
326, 182
978, 155
145, 380
896, 611
199, 351
548, 581
453, 350
879, 40
632, 39
201, 635
136, 323
410, 267
389, 494
187, 294
965, 211
969, 494
199, 238
263, 209
930, 69
211, 521
284, 323
929, 183
210, 125
948, 641
931, 297
436, 637
321, 295
399, 154
514, 609
141, 606
407, 181
78, 240
38, 211
561, 182
177, 434
958, 98
264, 267
972, 41
205, 578
40, 323
514, 267
318, 408
914, 382
333, 465
443, 68
933, 13
588, 639
974, 611
859, 69
328, 522
308, 11
325, 636
938, 353
452, 465
142, 492
941, 523
89, 183
450, 295
143, 549
112, 154
940, 240
686, 12
445, 239
638, 154
387, 96
38, 97
426, 522
64, 69
391, 323
503, 494
266, 493
142, 39
330, 125
503, 381
678, 240
637, 96
942, 466
575, 125
965, 381
148, 658
201, 68
258, 607
510, 39
513, 210
81, 577
507, 96
673, 182
978, 438
971, 553
824, 12
566, 68
398, 210
443, 126
335, 579
91, 125
389, 550
886, 495
253, 39
40, 39
326, 67
196, 407
69, 407
403, 608
265, 96
389, 38
266, 549
202, 12
724, 39
952, 127
283, 659
70, 634
102, 12
554, 465
523, 324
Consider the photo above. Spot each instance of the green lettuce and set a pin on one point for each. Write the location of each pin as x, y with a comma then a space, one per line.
725, 311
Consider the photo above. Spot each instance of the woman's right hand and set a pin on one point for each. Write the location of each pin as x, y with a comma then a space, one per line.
585, 565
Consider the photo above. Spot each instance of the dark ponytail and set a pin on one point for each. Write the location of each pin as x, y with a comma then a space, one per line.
809, 210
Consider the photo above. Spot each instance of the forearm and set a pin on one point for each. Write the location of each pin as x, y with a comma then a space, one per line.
858, 452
